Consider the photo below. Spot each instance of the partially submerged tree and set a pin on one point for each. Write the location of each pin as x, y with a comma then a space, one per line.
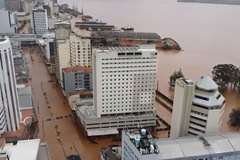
176, 75
234, 117
226, 76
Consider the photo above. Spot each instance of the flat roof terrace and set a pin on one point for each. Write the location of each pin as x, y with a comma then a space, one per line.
182, 148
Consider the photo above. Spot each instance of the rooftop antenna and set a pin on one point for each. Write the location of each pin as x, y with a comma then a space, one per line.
73, 6
76, 7
82, 9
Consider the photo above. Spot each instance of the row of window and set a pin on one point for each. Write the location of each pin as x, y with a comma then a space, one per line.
118, 67
125, 71
127, 58
131, 62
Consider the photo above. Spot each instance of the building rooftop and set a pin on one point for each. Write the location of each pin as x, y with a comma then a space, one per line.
19, 133
111, 153
128, 35
208, 145
23, 150
124, 49
206, 83
25, 97
80, 93
78, 68
94, 22
43, 153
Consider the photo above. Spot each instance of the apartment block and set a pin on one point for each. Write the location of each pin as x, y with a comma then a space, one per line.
77, 78
62, 48
138, 144
8, 22
8, 93
197, 109
124, 84
39, 21
81, 51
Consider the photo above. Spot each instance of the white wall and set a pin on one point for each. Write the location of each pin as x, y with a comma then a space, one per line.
119, 86
213, 120
8, 91
64, 56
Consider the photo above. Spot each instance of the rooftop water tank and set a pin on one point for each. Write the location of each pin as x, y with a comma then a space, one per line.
137, 140
143, 132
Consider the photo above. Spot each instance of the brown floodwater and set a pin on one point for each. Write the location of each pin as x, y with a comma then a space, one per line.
208, 35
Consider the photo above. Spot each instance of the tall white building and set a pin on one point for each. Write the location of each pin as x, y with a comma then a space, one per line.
62, 48
39, 21
8, 91
197, 108
124, 80
124, 84
81, 51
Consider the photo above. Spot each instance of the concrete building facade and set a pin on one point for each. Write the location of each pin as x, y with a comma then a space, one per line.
39, 21
28, 6
19, 61
81, 51
12, 5
124, 83
124, 78
49, 45
8, 22
138, 144
9, 97
197, 108
77, 78
62, 48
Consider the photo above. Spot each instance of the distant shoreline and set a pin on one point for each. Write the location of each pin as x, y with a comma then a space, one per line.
228, 2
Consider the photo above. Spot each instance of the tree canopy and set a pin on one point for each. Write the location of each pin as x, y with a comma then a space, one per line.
175, 75
226, 76
234, 117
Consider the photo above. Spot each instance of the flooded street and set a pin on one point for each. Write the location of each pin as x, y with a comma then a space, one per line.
203, 31
69, 132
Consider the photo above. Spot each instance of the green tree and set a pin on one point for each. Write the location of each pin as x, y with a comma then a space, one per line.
175, 75
225, 76
234, 117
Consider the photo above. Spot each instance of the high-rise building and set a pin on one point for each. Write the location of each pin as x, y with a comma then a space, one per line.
81, 51
124, 84
197, 108
12, 5
39, 21
124, 80
138, 144
9, 97
62, 48
9, 22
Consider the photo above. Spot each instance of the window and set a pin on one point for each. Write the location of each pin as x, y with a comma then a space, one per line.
202, 98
